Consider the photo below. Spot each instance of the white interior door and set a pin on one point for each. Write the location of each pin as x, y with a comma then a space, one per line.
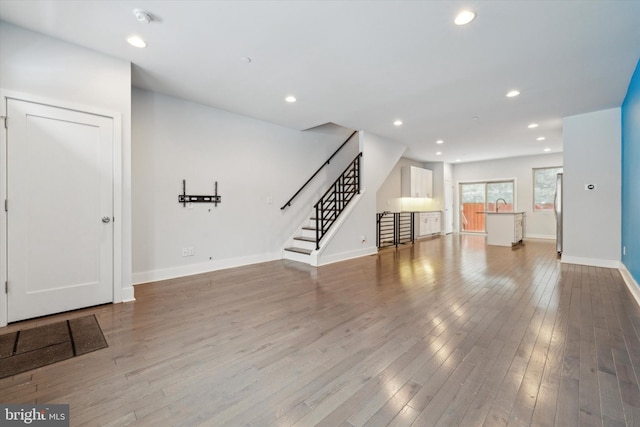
60, 209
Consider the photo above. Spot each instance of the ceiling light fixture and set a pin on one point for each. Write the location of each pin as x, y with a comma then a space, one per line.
457, 160
290, 98
464, 17
142, 16
533, 126
439, 141
547, 149
512, 93
438, 153
398, 123
540, 138
136, 41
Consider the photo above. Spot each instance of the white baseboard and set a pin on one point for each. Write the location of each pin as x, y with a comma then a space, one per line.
595, 262
632, 285
540, 236
203, 267
343, 256
127, 294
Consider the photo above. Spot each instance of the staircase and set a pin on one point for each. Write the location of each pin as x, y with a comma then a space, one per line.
326, 211
305, 242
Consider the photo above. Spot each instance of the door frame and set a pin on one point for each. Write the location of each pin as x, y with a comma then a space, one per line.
458, 199
449, 218
5, 95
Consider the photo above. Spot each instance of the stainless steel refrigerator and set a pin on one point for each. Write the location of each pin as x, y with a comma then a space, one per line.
557, 208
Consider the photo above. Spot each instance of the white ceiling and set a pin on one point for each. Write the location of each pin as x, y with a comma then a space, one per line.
364, 64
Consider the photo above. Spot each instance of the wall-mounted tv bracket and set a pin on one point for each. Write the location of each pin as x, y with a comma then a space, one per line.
184, 198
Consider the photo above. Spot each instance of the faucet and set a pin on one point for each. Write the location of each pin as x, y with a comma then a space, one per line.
497, 200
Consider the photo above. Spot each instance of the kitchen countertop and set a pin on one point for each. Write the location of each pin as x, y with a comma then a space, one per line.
500, 213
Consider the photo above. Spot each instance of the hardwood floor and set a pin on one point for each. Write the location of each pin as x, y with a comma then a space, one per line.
446, 332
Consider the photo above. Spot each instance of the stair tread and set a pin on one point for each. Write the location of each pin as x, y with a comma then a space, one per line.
299, 250
306, 239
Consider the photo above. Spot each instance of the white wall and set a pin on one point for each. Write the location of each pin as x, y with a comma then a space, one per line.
379, 156
45, 68
592, 218
388, 196
438, 168
258, 166
539, 224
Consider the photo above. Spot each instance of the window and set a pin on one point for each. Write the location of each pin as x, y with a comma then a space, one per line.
544, 188
479, 197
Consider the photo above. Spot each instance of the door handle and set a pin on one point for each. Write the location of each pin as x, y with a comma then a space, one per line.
106, 219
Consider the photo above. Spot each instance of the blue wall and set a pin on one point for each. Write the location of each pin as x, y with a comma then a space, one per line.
631, 176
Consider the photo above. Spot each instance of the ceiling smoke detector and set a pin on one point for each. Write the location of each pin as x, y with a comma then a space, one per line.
142, 16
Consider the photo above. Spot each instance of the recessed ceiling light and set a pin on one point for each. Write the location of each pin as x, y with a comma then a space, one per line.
290, 98
464, 17
540, 138
245, 59
136, 41
512, 93
457, 160
439, 141
438, 153
475, 118
547, 149
533, 126
398, 123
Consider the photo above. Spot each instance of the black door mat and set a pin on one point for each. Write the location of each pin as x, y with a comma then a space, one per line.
33, 348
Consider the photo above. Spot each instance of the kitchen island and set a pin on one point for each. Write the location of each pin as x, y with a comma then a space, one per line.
505, 228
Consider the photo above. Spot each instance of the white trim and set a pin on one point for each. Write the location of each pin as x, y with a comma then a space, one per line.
119, 293
82, 108
117, 211
540, 236
595, 262
203, 267
127, 295
3, 215
632, 285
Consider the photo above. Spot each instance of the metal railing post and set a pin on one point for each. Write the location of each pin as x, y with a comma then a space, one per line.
318, 226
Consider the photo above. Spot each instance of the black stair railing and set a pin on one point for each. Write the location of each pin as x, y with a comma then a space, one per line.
318, 171
336, 198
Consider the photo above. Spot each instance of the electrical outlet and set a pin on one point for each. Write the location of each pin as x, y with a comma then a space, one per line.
185, 252
190, 251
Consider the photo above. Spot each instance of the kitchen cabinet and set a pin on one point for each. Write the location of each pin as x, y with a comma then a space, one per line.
429, 223
505, 228
416, 182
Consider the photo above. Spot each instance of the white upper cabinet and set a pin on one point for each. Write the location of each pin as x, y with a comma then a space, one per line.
416, 182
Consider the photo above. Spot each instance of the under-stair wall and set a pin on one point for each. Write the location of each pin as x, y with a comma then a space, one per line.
355, 234
257, 165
